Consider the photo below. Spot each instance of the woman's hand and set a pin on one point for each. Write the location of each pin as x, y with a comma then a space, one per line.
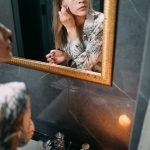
57, 57
68, 21
67, 18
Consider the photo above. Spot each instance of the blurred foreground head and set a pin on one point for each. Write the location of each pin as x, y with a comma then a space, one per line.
16, 126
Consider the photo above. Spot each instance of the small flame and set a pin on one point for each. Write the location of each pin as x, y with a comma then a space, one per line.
124, 121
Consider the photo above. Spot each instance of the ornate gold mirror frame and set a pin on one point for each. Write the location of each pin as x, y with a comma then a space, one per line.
107, 54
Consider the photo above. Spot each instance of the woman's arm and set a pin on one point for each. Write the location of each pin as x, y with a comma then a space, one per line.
86, 58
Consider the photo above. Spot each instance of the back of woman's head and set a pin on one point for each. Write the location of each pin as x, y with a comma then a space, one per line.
13, 103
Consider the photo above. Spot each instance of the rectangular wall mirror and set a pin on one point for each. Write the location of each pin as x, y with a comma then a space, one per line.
36, 36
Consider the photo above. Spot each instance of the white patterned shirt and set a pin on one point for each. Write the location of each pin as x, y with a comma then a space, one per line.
86, 53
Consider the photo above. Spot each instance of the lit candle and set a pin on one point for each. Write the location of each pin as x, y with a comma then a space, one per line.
124, 121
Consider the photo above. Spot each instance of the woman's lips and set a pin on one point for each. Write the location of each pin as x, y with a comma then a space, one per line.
83, 7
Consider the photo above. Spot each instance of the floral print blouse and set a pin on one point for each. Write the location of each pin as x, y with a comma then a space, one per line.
86, 53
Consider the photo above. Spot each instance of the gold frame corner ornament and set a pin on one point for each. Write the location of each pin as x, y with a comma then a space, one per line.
105, 77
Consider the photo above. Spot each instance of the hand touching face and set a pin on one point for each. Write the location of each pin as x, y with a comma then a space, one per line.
66, 18
72, 15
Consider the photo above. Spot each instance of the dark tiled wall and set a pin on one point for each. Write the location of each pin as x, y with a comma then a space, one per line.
143, 98
89, 112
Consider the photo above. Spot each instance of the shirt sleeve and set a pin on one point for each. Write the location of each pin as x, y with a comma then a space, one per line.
86, 57
90, 57
74, 49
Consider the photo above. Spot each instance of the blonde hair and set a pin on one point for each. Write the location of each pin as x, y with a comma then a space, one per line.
60, 32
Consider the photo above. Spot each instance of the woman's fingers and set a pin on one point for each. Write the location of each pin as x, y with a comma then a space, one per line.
52, 61
51, 57
63, 12
66, 18
51, 54
47, 56
55, 57
64, 9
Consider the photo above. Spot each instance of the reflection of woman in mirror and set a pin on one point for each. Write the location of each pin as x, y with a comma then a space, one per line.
16, 126
5, 42
78, 34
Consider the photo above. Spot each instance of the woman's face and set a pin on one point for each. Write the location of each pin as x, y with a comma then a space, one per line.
77, 7
5, 41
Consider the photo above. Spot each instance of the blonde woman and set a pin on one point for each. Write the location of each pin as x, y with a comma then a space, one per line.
78, 35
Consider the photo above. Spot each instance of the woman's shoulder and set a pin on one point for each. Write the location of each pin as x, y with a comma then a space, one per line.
94, 20
96, 15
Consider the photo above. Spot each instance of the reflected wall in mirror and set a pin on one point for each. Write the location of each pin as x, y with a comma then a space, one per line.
37, 39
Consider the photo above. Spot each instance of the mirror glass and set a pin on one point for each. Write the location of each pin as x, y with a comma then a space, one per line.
37, 32
87, 58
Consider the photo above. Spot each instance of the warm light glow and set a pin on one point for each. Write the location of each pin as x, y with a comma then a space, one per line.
124, 121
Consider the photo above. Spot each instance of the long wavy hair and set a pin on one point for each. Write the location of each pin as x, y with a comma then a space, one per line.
60, 32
